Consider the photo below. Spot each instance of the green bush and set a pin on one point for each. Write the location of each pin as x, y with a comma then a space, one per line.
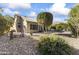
5, 24
53, 46
59, 27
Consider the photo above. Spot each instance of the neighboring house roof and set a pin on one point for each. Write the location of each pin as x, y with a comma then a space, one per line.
28, 19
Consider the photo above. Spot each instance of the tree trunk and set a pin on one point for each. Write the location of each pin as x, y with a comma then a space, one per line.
43, 28
77, 33
11, 35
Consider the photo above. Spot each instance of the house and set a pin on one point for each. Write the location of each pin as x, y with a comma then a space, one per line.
25, 24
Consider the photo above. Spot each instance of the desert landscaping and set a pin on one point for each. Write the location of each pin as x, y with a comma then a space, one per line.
26, 35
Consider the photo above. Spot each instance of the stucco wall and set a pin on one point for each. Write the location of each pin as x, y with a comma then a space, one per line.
26, 24
28, 27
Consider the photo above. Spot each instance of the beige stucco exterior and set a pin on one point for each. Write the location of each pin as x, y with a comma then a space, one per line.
29, 23
27, 26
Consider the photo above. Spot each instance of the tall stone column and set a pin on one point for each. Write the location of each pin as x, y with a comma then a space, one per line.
14, 25
19, 24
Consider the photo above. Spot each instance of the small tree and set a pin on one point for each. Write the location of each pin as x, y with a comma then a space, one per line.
74, 20
5, 23
10, 21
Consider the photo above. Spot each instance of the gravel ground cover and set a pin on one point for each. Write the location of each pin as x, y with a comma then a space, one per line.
18, 46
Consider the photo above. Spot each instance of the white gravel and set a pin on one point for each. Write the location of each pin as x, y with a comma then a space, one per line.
27, 45
18, 46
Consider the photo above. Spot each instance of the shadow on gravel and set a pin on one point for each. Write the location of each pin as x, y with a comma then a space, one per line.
75, 51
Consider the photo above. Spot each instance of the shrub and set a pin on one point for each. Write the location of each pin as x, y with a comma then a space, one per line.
59, 27
5, 24
53, 46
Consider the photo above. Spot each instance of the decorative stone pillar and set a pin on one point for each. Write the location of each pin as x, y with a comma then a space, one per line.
18, 25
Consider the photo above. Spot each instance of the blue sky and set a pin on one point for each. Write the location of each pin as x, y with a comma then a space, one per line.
59, 10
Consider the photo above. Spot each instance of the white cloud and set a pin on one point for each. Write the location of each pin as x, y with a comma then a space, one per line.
19, 5
7, 11
59, 8
42, 9
16, 12
57, 20
33, 14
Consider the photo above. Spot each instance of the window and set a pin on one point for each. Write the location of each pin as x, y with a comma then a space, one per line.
19, 26
33, 26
